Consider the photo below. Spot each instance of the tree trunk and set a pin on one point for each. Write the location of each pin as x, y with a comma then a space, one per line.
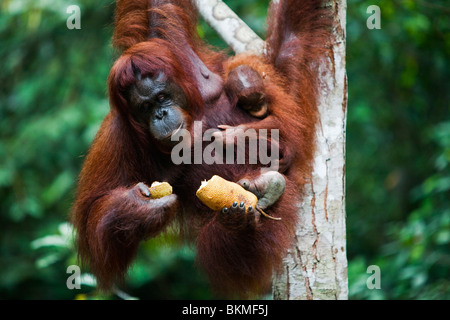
316, 266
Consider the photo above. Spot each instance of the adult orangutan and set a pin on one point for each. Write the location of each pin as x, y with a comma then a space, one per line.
164, 81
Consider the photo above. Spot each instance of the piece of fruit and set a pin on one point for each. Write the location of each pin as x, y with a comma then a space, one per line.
218, 193
160, 189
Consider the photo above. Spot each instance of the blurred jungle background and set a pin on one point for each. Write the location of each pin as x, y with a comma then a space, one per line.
53, 99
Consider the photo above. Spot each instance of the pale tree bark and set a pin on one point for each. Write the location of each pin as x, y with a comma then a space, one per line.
229, 26
316, 266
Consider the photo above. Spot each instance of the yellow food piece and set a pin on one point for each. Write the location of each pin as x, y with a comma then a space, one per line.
160, 189
218, 193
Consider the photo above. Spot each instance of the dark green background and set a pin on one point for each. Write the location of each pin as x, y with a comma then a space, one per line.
53, 98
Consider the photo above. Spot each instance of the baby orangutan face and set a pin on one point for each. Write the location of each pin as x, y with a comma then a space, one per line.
246, 86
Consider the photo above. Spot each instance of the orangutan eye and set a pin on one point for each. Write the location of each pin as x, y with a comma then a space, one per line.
161, 97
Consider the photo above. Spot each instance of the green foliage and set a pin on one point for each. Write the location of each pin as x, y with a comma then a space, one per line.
53, 99
398, 193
